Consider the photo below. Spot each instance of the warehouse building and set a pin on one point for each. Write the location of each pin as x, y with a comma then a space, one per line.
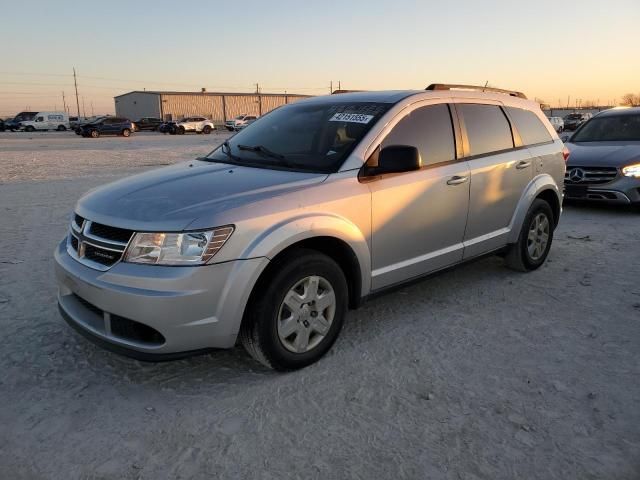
218, 107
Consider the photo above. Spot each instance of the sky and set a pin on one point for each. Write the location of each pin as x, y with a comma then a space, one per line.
557, 51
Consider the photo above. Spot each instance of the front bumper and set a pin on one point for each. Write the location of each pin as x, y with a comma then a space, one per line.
622, 190
156, 312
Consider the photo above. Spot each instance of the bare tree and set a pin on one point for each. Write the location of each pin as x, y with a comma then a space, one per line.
631, 100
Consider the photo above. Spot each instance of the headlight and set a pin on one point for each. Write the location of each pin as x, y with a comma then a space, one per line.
632, 170
188, 248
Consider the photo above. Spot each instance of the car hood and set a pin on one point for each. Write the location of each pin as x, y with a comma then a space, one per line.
614, 154
171, 198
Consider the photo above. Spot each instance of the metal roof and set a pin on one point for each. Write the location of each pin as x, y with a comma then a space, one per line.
173, 92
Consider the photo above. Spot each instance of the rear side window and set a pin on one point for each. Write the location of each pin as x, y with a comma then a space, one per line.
529, 126
429, 129
488, 129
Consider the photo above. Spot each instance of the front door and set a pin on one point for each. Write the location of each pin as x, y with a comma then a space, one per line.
419, 217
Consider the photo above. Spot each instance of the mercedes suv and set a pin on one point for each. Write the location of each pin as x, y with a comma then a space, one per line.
275, 234
604, 163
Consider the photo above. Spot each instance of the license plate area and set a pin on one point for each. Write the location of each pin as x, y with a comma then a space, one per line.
576, 191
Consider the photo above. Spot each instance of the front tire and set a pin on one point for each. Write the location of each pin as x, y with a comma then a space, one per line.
296, 313
126, 132
61, 128
29, 129
206, 130
94, 134
534, 241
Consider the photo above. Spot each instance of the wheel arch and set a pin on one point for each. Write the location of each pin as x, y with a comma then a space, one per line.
543, 186
334, 248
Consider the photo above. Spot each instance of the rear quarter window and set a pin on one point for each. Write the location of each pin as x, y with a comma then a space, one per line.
529, 126
488, 129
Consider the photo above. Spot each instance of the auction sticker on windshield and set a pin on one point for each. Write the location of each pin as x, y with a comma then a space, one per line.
351, 117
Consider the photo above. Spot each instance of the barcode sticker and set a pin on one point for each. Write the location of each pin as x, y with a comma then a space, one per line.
351, 117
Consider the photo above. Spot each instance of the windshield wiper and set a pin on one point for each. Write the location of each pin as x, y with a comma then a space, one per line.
226, 149
262, 149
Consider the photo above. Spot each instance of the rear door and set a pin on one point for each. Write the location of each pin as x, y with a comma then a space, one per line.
419, 217
501, 168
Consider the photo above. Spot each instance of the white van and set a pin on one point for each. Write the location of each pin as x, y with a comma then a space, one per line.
47, 121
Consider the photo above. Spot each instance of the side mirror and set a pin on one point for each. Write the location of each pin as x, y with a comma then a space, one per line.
396, 159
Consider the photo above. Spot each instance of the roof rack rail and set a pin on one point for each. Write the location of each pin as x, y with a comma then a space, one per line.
449, 86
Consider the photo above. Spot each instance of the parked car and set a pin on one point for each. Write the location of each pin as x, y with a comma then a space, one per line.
2, 126
604, 164
14, 124
147, 123
574, 120
75, 122
239, 122
195, 124
46, 121
107, 126
276, 233
168, 127
558, 123
82, 123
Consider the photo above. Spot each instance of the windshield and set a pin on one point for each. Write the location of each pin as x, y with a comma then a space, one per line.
574, 116
310, 137
609, 129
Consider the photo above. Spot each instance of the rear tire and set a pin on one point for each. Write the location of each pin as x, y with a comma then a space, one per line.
94, 134
61, 128
285, 338
29, 129
534, 241
181, 131
206, 130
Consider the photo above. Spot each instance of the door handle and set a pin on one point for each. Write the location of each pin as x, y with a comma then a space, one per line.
522, 164
457, 180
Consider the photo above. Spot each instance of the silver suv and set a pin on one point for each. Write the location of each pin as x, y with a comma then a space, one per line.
274, 235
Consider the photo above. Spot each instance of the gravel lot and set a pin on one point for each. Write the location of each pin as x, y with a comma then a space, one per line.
476, 373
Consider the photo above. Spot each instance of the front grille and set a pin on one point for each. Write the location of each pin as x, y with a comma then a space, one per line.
100, 255
590, 175
110, 233
97, 245
79, 220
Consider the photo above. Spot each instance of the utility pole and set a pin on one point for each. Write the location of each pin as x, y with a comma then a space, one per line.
84, 112
330, 87
339, 86
64, 103
568, 100
259, 99
75, 83
92, 114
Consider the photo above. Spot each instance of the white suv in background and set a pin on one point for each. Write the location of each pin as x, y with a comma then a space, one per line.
195, 124
558, 123
240, 122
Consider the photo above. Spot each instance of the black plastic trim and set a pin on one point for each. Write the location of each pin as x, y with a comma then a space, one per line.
128, 352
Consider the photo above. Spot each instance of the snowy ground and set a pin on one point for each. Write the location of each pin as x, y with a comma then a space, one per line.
477, 373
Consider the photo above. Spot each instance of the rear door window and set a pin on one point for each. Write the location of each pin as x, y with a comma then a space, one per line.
529, 126
488, 129
430, 130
